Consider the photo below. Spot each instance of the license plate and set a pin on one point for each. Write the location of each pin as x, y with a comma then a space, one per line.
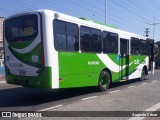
22, 72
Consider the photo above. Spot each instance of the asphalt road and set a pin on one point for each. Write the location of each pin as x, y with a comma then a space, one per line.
132, 95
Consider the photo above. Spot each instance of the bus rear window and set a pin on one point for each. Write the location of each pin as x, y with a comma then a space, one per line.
22, 28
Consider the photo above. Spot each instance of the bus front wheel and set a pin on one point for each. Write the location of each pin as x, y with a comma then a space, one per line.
104, 81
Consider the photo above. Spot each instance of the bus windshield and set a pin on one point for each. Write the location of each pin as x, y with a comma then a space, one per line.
21, 28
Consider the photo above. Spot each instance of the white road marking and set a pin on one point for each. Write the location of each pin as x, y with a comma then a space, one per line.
88, 98
50, 108
154, 80
2, 82
143, 83
114, 91
153, 108
131, 86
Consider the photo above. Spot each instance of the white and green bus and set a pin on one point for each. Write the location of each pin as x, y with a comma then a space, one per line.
47, 49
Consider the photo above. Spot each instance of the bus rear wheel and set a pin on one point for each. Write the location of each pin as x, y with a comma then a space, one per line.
104, 81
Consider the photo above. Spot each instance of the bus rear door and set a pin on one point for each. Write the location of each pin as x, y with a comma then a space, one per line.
124, 59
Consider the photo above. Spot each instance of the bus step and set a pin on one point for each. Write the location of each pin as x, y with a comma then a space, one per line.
124, 80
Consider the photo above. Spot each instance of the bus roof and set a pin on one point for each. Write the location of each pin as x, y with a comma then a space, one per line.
98, 22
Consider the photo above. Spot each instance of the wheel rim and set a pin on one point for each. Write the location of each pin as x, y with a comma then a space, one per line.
104, 81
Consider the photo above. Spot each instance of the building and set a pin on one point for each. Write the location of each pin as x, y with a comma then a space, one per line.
1, 31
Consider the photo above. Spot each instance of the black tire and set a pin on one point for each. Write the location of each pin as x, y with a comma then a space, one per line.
143, 74
104, 81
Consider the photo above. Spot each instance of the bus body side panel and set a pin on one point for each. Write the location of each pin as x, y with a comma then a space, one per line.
137, 64
110, 62
50, 54
83, 69
74, 69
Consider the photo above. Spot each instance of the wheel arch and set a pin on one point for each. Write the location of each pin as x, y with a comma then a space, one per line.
146, 70
106, 69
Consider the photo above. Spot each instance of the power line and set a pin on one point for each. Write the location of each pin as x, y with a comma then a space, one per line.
154, 4
114, 16
126, 20
125, 24
105, 12
137, 5
140, 27
6, 11
86, 8
3, 11
157, 3
124, 7
143, 6
18, 4
52, 5
92, 5
126, 15
121, 21
99, 1
70, 9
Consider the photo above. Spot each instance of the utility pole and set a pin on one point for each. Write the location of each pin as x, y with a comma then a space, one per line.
154, 26
147, 31
105, 11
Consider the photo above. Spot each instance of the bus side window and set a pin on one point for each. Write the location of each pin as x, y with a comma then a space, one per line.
143, 47
85, 39
90, 39
106, 42
114, 42
134, 45
65, 36
72, 37
96, 40
59, 35
110, 42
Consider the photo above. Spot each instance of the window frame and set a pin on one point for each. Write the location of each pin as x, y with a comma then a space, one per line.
110, 43
22, 38
143, 47
135, 48
91, 48
66, 35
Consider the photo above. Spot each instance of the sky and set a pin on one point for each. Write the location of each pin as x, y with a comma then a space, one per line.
128, 15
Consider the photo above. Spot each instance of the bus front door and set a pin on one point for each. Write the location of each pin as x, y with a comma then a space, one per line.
150, 46
124, 59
